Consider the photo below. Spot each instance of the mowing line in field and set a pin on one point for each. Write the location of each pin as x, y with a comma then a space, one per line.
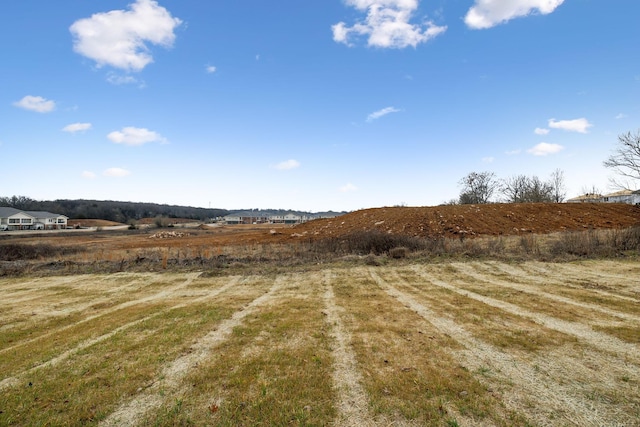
352, 402
151, 298
603, 342
551, 277
528, 387
17, 379
476, 275
131, 412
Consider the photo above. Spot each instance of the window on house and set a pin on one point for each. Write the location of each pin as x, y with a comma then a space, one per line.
26, 221
14, 221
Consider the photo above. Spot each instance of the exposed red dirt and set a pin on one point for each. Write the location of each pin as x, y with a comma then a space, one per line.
433, 222
477, 220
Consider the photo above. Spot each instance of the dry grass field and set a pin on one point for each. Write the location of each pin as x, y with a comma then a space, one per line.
406, 343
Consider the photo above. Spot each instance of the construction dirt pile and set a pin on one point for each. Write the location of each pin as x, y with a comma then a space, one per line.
476, 220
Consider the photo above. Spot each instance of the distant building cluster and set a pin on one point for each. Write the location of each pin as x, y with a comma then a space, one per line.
259, 218
623, 196
15, 219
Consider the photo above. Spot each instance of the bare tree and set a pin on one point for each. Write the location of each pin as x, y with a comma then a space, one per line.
557, 184
478, 187
515, 188
625, 160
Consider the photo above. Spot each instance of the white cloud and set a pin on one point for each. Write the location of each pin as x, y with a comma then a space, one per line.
541, 131
513, 152
287, 165
210, 69
544, 149
377, 114
135, 136
36, 103
621, 116
347, 188
489, 13
116, 172
88, 175
387, 24
119, 38
119, 79
488, 159
578, 125
77, 127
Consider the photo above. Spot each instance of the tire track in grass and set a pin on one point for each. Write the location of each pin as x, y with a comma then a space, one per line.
150, 298
527, 387
131, 412
18, 379
353, 403
601, 341
532, 290
551, 278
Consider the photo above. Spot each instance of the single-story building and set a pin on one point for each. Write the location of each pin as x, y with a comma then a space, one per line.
16, 219
623, 196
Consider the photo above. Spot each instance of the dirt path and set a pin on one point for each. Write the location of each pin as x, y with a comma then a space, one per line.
353, 403
531, 391
131, 412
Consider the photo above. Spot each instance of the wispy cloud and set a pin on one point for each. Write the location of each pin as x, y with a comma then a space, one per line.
124, 79
348, 188
287, 165
380, 113
36, 103
135, 136
387, 25
541, 131
120, 38
512, 152
489, 13
88, 175
77, 127
116, 172
544, 149
621, 116
488, 159
210, 69
577, 125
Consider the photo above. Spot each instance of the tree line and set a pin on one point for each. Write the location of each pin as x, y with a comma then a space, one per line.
486, 187
122, 212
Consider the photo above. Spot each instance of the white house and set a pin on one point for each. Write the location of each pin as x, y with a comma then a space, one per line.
15, 219
623, 196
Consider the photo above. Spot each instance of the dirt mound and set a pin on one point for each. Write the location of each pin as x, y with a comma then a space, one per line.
92, 223
476, 220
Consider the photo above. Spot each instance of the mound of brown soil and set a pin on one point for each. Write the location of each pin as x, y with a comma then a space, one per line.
91, 223
476, 220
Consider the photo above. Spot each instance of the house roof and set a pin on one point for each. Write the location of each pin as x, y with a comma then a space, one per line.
588, 196
43, 214
6, 212
620, 193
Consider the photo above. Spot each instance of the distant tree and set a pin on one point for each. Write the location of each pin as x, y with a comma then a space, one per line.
478, 187
515, 188
625, 160
557, 184
538, 191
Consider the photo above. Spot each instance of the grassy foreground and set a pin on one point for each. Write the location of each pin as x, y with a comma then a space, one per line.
408, 343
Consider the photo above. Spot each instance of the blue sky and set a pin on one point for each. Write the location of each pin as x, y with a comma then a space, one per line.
310, 105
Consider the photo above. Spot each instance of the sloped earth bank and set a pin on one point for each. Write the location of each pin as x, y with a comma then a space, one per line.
476, 220
461, 343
